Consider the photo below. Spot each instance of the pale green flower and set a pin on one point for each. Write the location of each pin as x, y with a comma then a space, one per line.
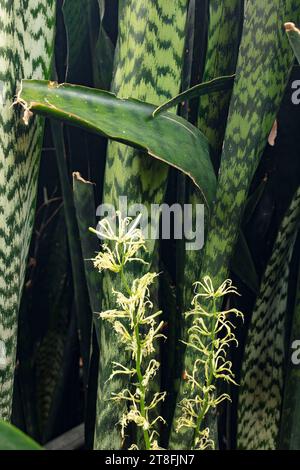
127, 242
136, 326
208, 290
210, 336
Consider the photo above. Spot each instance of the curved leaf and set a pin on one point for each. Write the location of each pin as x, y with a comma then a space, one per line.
11, 438
217, 84
168, 138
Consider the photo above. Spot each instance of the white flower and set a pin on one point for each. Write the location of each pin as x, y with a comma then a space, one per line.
209, 292
135, 325
127, 242
210, 335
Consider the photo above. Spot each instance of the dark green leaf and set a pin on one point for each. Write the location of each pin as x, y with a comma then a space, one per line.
84, 200
79, 57
168, 138
80, 289
261, 382
103, 57
243, 266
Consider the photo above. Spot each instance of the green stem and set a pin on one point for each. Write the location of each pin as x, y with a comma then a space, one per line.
141, 386
124, 282
208, 382
138, 362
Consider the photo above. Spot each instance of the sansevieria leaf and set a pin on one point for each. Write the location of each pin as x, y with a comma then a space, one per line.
261, 383
26, 45
225, 20
225, 24
290, 412
84, 202
76, 21
261, 77
168, 138
148, 67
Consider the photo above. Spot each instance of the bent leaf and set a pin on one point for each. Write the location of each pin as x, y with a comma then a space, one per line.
168, 138
212, 86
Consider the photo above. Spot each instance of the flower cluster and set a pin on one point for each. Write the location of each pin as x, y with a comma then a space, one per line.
136, 326
209, 336
126, 241
134, 311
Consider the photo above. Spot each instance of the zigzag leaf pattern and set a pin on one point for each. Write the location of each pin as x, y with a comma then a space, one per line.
261, 383
264, 64
26, 44
148, 66
221, 57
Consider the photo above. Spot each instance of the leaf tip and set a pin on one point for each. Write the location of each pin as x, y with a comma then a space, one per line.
291, 27
27, 108
77, 177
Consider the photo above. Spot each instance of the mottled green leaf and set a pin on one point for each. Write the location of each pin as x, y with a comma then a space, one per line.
26, 38
290, 414
261, 382
261, 77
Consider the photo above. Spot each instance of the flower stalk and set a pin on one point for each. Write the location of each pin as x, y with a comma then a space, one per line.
210, 336
135, 324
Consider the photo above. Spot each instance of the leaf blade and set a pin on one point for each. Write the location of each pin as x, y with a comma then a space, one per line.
168, 138
11, 438
217, 84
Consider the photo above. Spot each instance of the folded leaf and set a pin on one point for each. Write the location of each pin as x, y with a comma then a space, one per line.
168, 138
217, 84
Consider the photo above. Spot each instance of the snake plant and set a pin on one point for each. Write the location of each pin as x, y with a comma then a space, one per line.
187, 94
257, 93
23, 24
